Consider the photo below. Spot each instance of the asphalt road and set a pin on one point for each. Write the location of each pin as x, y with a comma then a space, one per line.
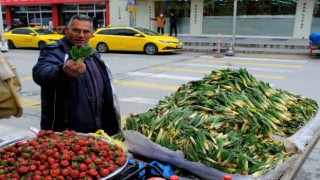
142, 80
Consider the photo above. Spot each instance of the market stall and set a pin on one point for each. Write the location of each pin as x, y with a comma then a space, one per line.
227, 123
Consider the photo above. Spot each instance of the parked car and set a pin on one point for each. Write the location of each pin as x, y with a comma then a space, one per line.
133, 39
31, 37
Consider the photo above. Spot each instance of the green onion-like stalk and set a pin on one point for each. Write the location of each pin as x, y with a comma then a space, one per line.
79, 54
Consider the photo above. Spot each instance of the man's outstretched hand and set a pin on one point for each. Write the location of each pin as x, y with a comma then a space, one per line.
74, 69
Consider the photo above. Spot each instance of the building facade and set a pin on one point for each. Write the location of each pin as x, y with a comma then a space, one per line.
260, 18
52, 14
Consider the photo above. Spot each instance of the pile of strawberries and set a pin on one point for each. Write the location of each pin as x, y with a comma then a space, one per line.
60, 156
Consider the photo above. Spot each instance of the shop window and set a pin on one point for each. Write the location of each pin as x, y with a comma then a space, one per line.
181, 10
19, 8
249, 7
100, 6
33, 8
68, 7
46, 8
315, 27
259, 17
86, 7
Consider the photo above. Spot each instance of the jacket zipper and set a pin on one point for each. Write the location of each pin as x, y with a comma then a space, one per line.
54, 108
92, 109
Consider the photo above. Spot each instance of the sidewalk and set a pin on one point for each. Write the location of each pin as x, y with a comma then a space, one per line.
249, 45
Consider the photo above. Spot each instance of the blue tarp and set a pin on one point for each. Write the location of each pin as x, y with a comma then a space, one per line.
315, 38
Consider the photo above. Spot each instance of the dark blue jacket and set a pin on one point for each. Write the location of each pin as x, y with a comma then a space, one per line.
65, 101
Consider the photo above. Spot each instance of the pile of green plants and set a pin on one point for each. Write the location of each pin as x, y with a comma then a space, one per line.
226, 121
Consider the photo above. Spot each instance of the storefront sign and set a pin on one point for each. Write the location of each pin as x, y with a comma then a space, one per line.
150, 13
119, 13
195, 13
304, 7
132, 8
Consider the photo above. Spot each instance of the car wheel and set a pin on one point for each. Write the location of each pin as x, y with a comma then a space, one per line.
11, 45
41, 44
102, 48
150, 49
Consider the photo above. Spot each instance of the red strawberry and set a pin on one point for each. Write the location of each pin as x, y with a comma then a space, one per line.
54, 166
104, 172
81, 142
66, 157
60, 145
49, 152
54, 172
42, 167
37, 172
82, 167
11, 160
92, 172
37, 177
88, 161
23, 169
98, 161
45, 172
32, 167
76, 148
56, 155
96, 148
110, 169
48, 178
121, 161
51, 160
65, 172
82, 175
43, 158
64, 163
74, 173
15, 175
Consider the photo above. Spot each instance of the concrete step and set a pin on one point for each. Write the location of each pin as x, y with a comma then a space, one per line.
249, 50
247, 45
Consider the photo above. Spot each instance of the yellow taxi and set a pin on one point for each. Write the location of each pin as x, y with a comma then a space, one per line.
133, 39
31, 37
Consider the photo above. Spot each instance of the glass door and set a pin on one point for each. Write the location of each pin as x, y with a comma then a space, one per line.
34, 16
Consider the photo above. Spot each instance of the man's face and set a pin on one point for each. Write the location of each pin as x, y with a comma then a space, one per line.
80, 32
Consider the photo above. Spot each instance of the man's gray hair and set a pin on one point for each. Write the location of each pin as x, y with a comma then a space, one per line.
80, 17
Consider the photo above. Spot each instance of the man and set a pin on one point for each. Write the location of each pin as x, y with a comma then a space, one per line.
95, 23
76, 96
173, 24
161, 21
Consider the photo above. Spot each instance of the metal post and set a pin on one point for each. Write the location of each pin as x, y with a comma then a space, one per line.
1, 25
231, 48
218, 55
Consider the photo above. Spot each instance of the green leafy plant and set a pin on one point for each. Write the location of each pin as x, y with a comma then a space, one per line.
79, 54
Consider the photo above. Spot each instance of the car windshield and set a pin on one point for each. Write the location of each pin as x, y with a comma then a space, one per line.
148, 32
44, 31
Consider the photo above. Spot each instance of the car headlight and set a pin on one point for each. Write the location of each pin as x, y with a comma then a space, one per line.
165, 41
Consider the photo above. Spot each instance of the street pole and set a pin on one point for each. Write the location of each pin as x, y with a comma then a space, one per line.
1, 25
231, 48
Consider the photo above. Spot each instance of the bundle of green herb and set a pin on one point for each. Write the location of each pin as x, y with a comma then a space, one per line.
79, 54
